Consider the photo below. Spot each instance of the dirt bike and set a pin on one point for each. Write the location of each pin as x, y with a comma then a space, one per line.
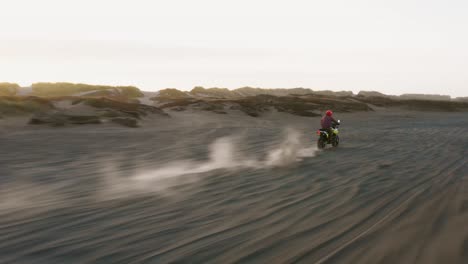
325, 137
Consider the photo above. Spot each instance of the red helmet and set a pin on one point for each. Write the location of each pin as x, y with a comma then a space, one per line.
329, 113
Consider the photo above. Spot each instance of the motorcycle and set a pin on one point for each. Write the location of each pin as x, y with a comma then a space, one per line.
328, 138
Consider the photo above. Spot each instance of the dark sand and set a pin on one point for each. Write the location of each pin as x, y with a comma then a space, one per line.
395, 191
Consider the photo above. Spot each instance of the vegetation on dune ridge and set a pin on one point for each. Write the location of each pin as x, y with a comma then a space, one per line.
415, 104
66, 89
462, 99
224, 93
8, 89
58, 102
213, 92
51, 110
172, 93
307, 105
250, 91
131, 93
432, 97
15, 105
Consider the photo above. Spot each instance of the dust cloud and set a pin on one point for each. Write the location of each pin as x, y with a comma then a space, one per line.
223, 154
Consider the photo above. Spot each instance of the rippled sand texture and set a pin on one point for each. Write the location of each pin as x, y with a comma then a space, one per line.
236, 189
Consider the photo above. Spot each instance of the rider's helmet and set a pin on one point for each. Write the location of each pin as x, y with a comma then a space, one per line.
329, 113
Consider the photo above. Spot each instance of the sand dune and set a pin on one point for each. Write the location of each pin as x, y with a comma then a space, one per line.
210, 188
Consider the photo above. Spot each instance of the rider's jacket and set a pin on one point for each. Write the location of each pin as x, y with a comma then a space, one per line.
327, 122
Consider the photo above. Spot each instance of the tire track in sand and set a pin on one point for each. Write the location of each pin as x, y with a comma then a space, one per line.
385, 217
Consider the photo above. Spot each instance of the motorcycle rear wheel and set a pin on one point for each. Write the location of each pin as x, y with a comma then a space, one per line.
321, 143
336, 141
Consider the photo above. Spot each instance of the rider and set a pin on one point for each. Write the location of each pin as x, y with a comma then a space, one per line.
327, 122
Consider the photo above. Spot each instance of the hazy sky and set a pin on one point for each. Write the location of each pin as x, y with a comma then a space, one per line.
391, 46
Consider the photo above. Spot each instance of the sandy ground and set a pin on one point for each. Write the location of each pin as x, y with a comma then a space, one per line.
237, 189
